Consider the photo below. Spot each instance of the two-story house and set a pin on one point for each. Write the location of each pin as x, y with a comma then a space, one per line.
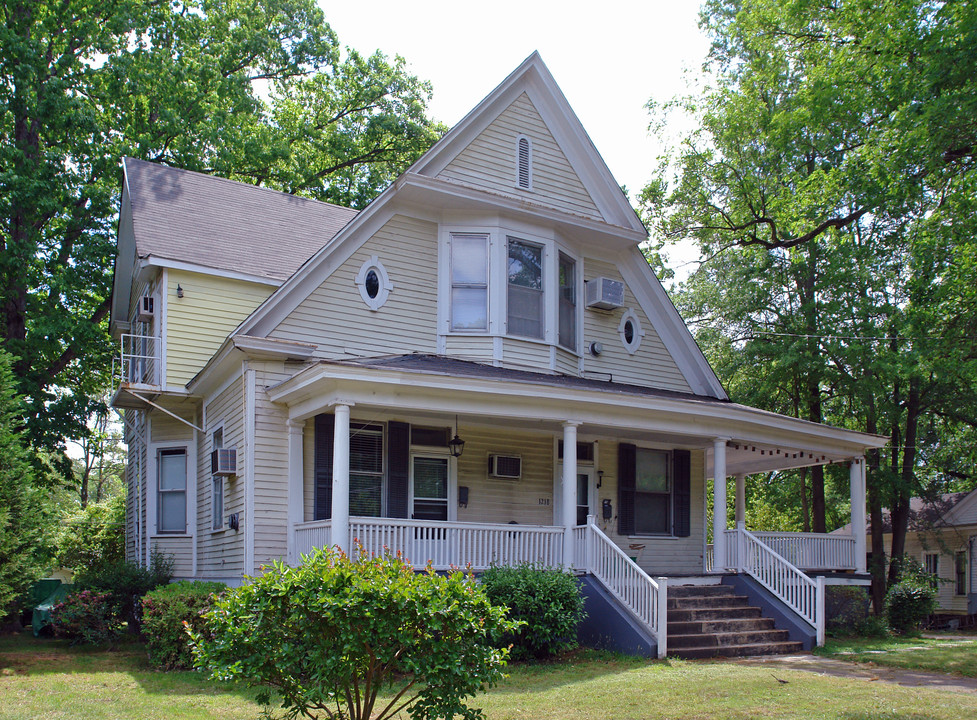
480, 367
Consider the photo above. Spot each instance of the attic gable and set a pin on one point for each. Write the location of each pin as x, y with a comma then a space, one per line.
492, 160
573, 176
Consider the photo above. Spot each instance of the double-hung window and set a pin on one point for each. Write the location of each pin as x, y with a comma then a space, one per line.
525, 289
366, 470
652, 492
469, 281
217, 486
171, 496
960, 572
568, 303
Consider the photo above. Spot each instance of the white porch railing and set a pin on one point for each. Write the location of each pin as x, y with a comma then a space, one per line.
812, 551
140, 359
458, 544
747, 553
644, 597
309, 536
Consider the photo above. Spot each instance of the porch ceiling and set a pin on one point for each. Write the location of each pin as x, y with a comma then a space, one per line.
444, 387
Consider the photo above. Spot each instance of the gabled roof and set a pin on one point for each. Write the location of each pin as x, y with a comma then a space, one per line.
220, 224
927, 513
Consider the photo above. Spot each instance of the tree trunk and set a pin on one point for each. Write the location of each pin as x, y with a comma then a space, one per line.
899, 512
805, 509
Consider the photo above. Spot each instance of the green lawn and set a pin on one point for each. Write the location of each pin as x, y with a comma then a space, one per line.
946, 655
46, 679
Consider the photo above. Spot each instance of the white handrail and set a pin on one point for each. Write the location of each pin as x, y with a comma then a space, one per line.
310, 536
624, 579
444, 544
139, 359
812, 551
795, 589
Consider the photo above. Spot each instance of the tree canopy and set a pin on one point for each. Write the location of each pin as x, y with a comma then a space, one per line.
259, 91
830, 187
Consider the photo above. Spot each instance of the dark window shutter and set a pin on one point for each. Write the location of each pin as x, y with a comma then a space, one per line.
626, 456
325, 428
398, 468
682, 492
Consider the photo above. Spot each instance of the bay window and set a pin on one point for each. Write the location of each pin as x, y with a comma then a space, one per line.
567, 302
469, 282
525, 289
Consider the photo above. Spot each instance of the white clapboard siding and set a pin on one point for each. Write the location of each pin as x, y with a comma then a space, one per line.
198, 323
496, 500
490, 162
221, 552
270, 468
335, 318
651, 365
179, 550
658, 555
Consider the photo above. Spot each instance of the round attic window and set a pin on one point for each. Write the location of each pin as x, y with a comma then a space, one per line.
630, 331
373, 283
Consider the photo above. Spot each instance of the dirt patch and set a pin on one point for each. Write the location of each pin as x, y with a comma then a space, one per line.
864, 671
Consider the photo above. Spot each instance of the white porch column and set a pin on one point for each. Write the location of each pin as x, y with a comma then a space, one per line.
740, 500
296, 485
568, 513
856, 479
340, 478
719, 503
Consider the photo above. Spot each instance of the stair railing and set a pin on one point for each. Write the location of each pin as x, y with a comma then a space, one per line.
646, 598
794, 588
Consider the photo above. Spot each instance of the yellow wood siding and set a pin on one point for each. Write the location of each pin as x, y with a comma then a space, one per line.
946, 542
490, 162
221, 553
335, 318
270, 467
168, 429
179, 550
465, 347
497, 500
198, 323
567, 363
651, 365
525, 355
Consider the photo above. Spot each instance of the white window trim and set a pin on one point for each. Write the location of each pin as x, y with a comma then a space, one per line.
386, 287
219, 425
152, 477
529, 170
670, 464
452, 480
444, 301
639, 332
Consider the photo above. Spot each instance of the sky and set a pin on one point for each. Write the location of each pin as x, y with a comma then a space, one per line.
608, 56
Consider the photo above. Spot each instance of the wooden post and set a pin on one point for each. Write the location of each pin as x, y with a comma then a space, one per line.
568, 515
856, 479
296, 486
340, 478
719, 504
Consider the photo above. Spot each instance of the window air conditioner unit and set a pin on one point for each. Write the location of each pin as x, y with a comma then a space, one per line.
145, 312
604, 293
505, 466
223, 461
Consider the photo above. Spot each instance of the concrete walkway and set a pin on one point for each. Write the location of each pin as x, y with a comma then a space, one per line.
862, 671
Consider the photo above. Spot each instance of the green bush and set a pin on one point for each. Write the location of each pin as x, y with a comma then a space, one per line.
85, 617
333, 634
912, 599
93, 537
547, 602
125, 583
168, 612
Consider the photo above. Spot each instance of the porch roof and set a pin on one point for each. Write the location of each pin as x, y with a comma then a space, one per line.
758, 440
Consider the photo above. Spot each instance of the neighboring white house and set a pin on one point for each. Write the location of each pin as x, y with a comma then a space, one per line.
294, 374
941, 537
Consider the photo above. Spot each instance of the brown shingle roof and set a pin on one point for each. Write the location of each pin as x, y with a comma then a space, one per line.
226, 225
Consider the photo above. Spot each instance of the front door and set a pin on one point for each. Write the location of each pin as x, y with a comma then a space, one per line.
429, 486
586, 503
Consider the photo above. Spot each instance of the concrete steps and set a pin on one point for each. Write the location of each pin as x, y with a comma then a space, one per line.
712, 621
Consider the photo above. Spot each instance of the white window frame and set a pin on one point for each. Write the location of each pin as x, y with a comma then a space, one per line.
670, 469
487, 236
544, 291
217, 523
158, 491
452, 480
357, 426
385, 286
631, 316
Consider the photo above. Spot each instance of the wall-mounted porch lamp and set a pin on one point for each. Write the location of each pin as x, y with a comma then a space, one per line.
456, 446
179, 291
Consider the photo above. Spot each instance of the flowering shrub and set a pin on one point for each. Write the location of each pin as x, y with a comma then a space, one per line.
85, 617
169, 613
